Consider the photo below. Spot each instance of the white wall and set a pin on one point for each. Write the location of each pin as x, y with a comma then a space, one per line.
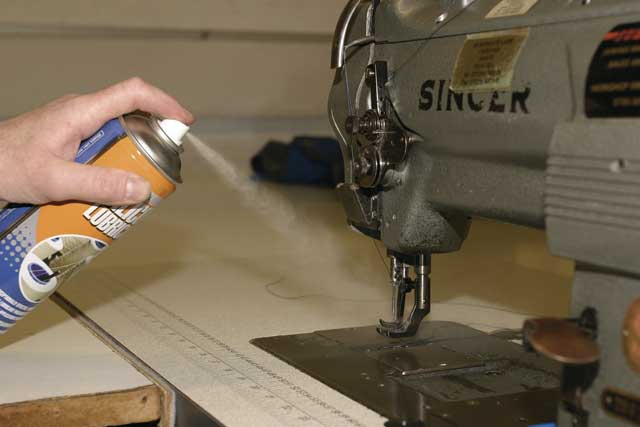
221, 58
302, 16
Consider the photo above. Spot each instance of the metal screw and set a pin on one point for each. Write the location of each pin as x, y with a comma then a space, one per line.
440, 19
352, 125
370, 73
618, 166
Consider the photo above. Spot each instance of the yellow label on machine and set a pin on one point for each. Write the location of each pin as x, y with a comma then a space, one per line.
486, 61
511, 8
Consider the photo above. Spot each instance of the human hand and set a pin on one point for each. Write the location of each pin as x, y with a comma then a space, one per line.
631, 335
37, 148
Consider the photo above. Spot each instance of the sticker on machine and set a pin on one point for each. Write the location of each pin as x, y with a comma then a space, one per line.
511, 8
623, 405
49, 263
613, 82
487, 60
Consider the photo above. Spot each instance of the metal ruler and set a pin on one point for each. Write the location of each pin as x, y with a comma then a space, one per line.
223, 366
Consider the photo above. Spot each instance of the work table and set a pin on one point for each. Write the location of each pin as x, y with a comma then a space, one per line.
215, 273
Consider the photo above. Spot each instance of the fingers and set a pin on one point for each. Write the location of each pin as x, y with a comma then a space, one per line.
632, 335
92, 110
45, 140
94, 184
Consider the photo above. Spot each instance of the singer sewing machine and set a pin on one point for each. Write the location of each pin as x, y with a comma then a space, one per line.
521, 111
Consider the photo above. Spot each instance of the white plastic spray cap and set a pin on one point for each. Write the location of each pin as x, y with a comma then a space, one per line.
174, 129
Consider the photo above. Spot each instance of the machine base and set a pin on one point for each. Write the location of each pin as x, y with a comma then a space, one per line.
446, 375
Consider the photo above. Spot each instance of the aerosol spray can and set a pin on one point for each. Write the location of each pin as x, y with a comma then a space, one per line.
42, 246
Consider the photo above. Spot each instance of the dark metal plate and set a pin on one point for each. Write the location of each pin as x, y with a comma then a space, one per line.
447, 375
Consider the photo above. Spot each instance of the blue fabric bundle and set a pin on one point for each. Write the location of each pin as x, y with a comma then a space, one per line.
305, 160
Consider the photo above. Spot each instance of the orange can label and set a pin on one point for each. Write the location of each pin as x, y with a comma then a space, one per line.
101, 222
41, 247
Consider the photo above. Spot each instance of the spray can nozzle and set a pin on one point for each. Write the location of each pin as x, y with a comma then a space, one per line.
174, 129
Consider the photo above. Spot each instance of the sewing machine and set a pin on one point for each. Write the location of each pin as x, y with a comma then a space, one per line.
520, 111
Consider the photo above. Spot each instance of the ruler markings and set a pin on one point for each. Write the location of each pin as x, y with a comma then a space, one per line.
273, 393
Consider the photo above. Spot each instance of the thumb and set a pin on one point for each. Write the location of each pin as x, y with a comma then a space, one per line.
95, 184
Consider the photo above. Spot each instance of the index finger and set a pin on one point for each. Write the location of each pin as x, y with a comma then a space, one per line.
97, 108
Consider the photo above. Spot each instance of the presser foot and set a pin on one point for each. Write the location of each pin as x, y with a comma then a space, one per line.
401, 285
474, 378
406, 328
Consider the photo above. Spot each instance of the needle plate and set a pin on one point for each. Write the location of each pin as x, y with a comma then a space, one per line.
446, 375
